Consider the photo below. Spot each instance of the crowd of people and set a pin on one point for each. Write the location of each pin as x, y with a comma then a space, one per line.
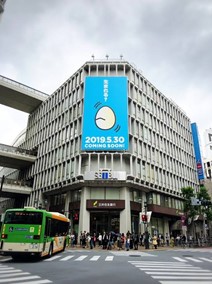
126, 241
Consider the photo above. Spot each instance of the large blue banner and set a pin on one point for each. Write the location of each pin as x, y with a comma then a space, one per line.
105, 117
197, 151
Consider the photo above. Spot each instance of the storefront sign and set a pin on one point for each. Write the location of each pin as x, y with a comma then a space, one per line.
105, 204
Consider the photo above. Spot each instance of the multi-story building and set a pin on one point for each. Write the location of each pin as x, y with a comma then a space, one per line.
110, 145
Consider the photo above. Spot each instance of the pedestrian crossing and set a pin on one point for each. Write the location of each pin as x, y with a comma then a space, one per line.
13, 275
179, 272
194, 259
93, 258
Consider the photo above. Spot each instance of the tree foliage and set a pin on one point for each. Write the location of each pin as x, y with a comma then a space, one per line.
192, 210
189, 209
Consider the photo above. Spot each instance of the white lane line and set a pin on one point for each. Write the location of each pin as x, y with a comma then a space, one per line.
180, 259
80, 258
95, 258
66, 258
109, 258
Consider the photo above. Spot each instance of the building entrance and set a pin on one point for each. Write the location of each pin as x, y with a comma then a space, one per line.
104, 221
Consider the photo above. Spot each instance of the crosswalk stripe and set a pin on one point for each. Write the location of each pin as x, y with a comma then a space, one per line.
5, 259
206, 259
186, 269
109, 258
10, 271
19, 279
95, 258
183, 278
180, 273
67, 258
180, 259
14, 274
81, 258
43, 281
193, 259
52, 258
183, 282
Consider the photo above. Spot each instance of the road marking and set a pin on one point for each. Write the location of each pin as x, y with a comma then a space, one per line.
80, 258
5, 259
109, 258
95, 258
206, 259
52, 258
181, 273
10, 271
19, 279
44, 281
180, 259
193, 259
183, 282
183, 278
14, 274
67, 258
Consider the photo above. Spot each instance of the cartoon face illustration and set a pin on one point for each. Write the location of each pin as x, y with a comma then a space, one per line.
105, 118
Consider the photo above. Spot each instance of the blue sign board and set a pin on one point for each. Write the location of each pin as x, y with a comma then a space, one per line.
197, 152
105, 116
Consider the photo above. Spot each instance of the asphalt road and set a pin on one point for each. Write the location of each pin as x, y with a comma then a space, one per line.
175, 266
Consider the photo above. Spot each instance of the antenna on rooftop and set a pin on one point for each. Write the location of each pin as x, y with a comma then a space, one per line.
93, 57
107, 56
121, 56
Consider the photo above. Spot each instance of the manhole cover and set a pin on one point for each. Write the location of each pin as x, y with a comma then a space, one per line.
187, 255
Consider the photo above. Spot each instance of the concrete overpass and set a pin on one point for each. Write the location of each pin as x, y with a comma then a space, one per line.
18, 96
26, 99
14, 188
15, 157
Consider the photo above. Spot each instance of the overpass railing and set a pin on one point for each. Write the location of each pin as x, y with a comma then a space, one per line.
17, 150
22, 86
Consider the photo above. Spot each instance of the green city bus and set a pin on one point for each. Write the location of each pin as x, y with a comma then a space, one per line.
33, 232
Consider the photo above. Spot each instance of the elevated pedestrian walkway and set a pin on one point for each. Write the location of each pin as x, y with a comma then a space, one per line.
19, 96
15, 157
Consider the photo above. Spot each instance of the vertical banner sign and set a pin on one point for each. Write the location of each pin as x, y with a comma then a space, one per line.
197, 151
105, 117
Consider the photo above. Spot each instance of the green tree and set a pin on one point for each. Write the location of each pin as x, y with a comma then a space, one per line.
189, 209
204, 195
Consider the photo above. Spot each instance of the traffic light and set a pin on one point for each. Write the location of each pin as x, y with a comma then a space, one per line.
144, 218
76, 216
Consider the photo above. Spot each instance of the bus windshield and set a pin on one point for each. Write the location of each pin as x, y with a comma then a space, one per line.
23, 217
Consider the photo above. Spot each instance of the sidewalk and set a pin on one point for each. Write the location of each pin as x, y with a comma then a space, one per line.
140, 248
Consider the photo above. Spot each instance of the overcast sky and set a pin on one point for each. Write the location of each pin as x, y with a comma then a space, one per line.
42, 43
